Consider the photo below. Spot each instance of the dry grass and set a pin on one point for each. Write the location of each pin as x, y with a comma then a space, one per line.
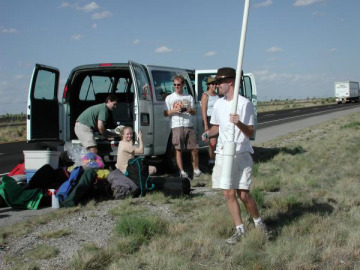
309, 184
276, 105
12, 133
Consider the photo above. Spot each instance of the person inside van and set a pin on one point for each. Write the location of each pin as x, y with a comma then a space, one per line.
127, 149
93, 119
180, 108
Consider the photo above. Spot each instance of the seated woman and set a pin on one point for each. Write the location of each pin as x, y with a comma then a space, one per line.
127, 149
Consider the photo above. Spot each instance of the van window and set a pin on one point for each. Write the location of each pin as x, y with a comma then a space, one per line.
123, 85
248, 88
45, 81
202, 86
164, 84
142, 83
93, 85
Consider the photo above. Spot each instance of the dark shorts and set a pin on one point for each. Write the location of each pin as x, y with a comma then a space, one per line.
184, 138
208, 122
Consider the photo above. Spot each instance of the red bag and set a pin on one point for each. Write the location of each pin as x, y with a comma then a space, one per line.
19, 169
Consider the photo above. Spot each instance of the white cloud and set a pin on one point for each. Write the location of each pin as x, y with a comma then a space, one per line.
64, 5
210, 53
101, 15
264, 4
136, 41
301, 3
274, 49
267, 76
89, 8
163, 49
7, 30
76, 37
94, 26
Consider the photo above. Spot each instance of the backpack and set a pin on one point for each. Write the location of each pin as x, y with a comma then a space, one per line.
65, 189
138, 171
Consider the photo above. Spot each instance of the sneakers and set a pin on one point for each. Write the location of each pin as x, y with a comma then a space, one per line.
235, 238
262, 227
183, 174
197, 173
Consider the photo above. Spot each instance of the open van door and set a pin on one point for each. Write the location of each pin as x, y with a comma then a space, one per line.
247, 88
143, 109
43, 105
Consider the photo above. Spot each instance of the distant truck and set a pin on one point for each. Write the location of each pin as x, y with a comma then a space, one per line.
346, 92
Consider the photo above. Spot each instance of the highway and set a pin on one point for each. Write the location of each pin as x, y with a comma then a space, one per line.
270, 125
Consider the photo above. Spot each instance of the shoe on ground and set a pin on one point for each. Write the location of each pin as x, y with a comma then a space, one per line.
235, 238
197, 173
264, 229
183, 174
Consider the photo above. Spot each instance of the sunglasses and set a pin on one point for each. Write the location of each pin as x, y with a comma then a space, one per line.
177, 84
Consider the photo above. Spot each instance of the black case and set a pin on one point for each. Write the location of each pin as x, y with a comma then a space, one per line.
176, 186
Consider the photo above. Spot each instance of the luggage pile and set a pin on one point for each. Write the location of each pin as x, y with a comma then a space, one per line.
77, 184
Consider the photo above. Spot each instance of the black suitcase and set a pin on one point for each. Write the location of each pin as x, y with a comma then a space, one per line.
176, 186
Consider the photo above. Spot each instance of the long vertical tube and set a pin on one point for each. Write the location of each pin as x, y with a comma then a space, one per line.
230, 146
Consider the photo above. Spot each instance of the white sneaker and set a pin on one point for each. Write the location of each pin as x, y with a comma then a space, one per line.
235, 238
183, 174
262, 226
197, 173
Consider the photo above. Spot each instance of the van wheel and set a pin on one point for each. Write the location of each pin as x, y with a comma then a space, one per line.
168, 160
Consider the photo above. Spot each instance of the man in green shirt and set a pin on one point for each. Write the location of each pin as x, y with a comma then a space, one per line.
94, 119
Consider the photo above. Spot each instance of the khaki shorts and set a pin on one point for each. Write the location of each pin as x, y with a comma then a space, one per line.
240, 174
85, 135
184, 138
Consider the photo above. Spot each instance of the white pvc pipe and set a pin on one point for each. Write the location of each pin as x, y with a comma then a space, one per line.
230, 146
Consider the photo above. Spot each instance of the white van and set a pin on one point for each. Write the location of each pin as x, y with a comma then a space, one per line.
140, 90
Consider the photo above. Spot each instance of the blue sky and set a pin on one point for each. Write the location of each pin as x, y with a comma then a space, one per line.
295, 48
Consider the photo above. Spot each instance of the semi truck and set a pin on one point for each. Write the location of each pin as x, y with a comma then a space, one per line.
347, 91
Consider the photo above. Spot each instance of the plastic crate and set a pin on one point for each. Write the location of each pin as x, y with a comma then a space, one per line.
34, 160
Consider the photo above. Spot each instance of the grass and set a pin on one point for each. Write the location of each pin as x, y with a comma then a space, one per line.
12, 134
276, 105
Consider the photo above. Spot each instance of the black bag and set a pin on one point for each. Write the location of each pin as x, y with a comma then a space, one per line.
138, 171
43, 178
176, 186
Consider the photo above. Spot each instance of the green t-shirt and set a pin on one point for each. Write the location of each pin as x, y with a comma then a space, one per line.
91, 115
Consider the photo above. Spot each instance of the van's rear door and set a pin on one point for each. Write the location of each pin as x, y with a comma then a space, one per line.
43, 105
143, 108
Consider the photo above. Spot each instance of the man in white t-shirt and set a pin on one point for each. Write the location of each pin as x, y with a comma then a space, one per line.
180, 108
241, 179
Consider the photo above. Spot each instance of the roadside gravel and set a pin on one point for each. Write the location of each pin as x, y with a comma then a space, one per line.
93, 226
